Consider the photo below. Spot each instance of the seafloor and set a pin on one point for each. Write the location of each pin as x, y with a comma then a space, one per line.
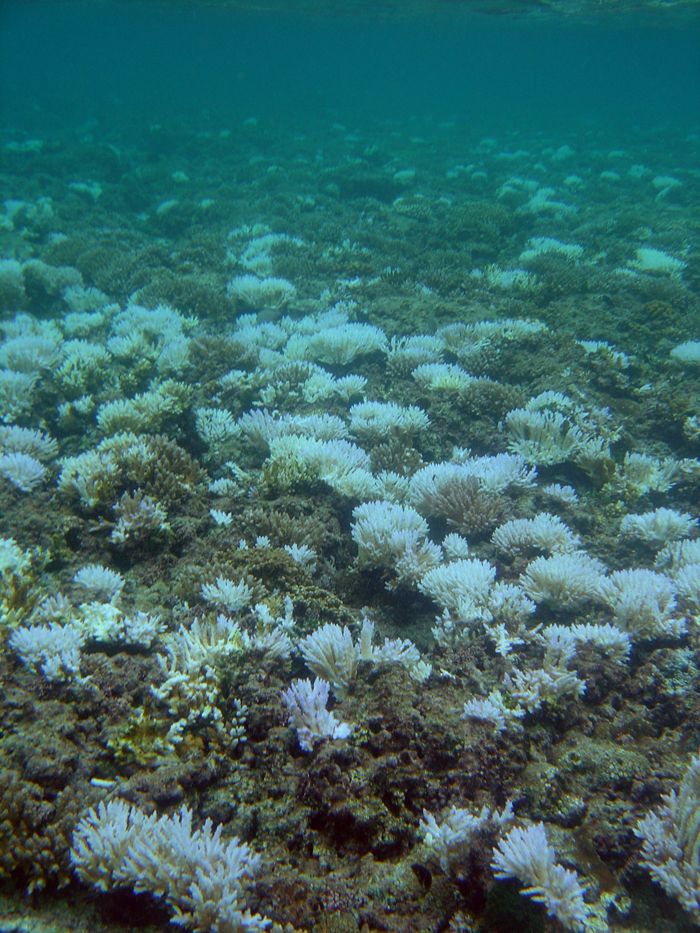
122, 279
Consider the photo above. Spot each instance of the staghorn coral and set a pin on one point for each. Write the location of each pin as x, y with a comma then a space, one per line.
524, 853
201, 878
671, 842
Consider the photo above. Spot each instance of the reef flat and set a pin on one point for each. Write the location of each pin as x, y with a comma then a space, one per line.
350, 564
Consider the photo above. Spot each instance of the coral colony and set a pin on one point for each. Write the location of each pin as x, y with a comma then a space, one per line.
315, 612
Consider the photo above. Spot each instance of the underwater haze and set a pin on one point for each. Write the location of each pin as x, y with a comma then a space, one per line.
350, 466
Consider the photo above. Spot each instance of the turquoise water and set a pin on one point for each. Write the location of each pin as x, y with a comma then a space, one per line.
349, 466
139, 61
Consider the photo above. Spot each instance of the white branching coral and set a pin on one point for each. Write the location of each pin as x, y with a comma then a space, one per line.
106, 624
543, 437
442, 377
216, 427
609, 639
552, 428
531, 689
641, 473
450, 838
374, 420
671, 842
544, 532
37, 444
228, 595
147, 411
191, 682
643, 602
526, 855
566, 495
394, 537
341, 464
139, 517
688, 585
154, 336
406, 353
100, 582
494, 709
269, 292
202, 878
22, 470
331, 654
13, 560
307, 707
678, 554
564, 581
53, 649
462, 588
659, 527
492, 474
261, 425
339, 345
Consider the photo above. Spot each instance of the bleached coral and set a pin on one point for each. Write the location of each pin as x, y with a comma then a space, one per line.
643, 602
303, 555
269, 292
543, 437
533, 688
658, 527
307, 707
671, 842
467, 492
451, 837
216, 426
567, 495
139, 517
147, 411
442, 377
564, 581
22, 470
607, 638
339, 344
190, 687
509, 604
100, 582
455, 547
332, 655
497, 472
106, 624
407, 353
16, 393
525, 854
13, 560
493, 709
373, 420
37, 444
642, 474
261, 426
544, 532
228, 595
53, 649
339, 463
678, 554
687, 581
657, 262
81, 365
394, 537
687, 353
462, 588
202, 879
